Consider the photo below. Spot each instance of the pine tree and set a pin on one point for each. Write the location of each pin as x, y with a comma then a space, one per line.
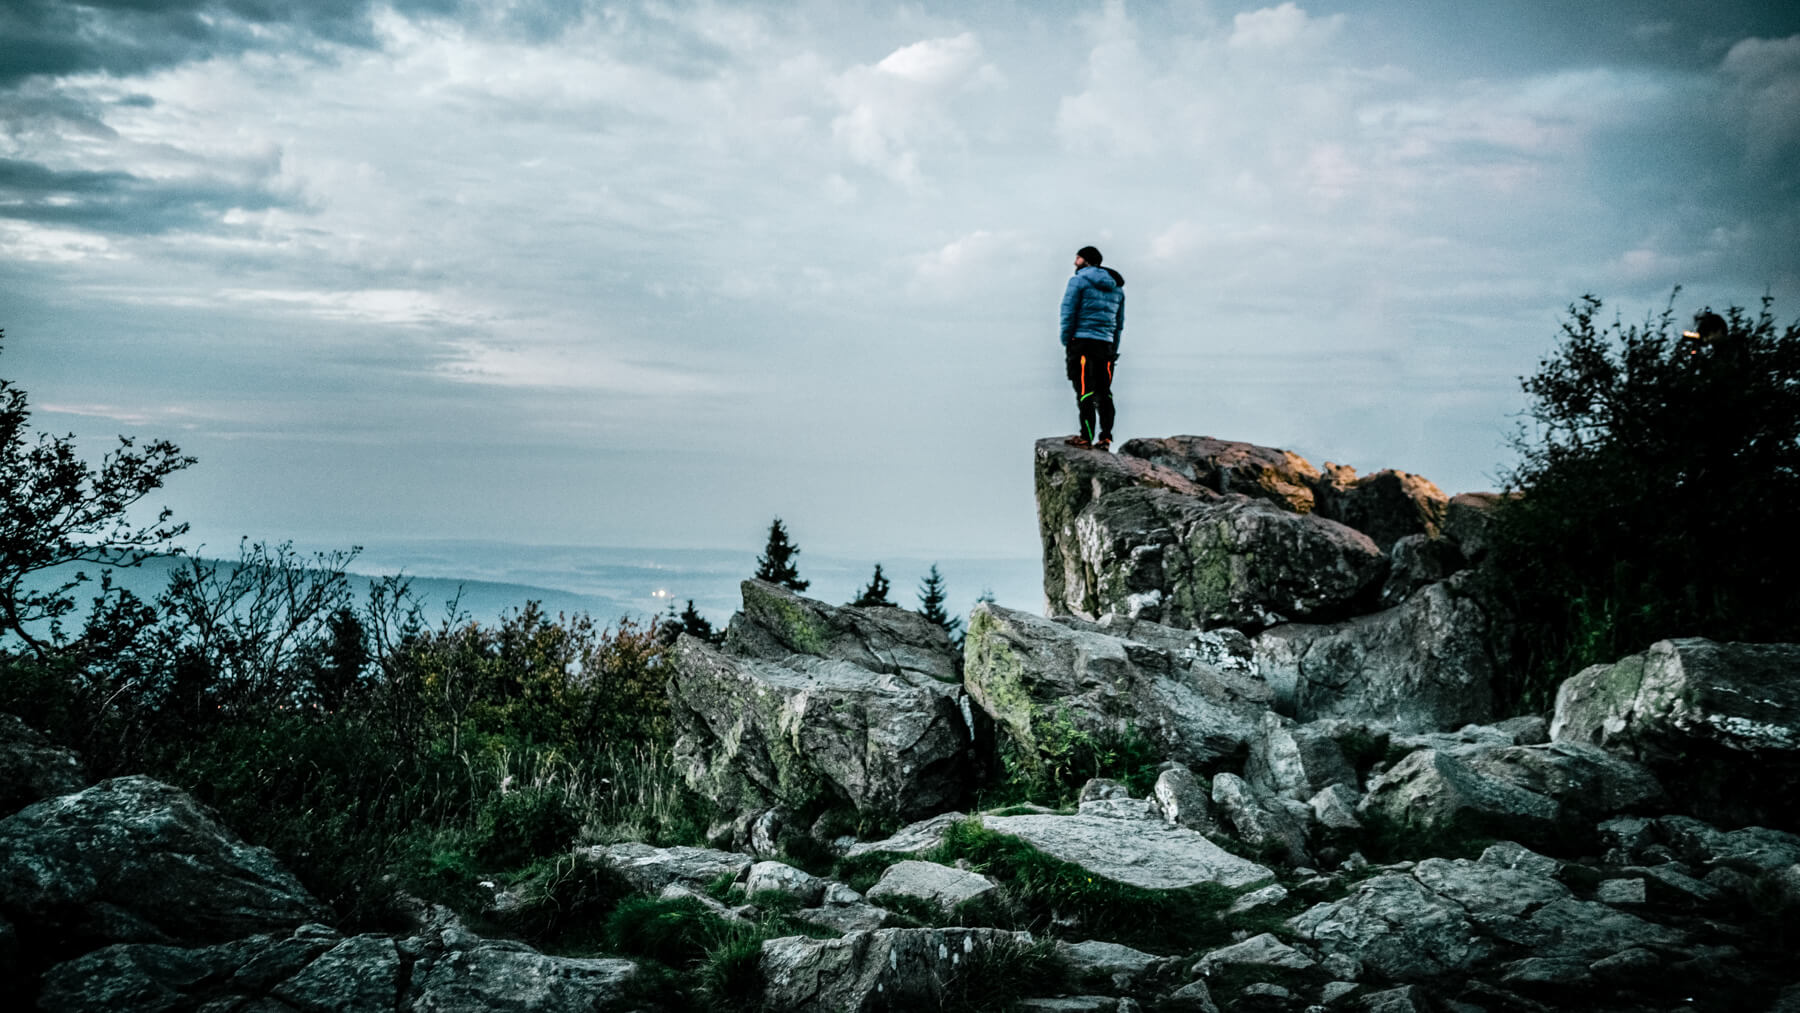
931, 605
776, 564
876, 593
697, 625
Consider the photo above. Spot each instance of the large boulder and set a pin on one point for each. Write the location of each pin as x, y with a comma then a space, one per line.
1387, 505
809, 704
1719, 722
1125, 536
1279, 476
1452, 919
134, 860
32, 767
886, 969
1426, 664
1544, 794
1179, 689
1144, 853
315, 969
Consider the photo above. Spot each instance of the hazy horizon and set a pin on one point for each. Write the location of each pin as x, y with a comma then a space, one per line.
649, 274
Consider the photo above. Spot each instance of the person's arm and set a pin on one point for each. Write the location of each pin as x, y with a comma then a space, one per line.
1119, 325
1071, 309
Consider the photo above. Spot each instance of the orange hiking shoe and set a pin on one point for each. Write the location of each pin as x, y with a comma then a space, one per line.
1079, 443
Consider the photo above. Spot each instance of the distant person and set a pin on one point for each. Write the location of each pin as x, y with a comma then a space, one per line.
1093, 318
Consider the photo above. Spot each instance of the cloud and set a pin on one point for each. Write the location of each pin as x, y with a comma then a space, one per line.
551, 366
1280, 27
121, 202
1766, 73
897, 108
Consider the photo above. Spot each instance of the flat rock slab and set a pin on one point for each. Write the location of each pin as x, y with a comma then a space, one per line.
915, 839
941, 885
887, 969
1137, 853
649, 869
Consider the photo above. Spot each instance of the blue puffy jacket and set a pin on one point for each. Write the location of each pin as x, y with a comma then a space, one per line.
1093, 306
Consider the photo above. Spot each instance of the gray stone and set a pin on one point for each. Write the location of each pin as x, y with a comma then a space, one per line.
1038, 677
1406, 999
1397, 927
1194, 997
1418, 560
1098, 788
1427, 663
33, 768
1099, 962
1512, 855
785, 879
1335, 808
1263, 824
1535, 793
1261, 951
1334, 991
1121, 809
1386, 505
845, 918
134, 860
913, 839
1134, 852
649, 869
1072, 1004
843, 717
1468, 521
502, 978
883, 969
1295, 761
1620, 891
1266, 990
1125, 536
681, 891
1719, 722
1748, 849
1268, 896
942, 886
1279, 476
1182, 800
810, 702
359, 975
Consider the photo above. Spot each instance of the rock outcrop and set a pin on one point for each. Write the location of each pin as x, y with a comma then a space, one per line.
1188, 693
810, 704
315, 968
1352, 586
1124, 536
133, 860
1548, 794
1427, 663
1142, 853
1720, 723
887, 969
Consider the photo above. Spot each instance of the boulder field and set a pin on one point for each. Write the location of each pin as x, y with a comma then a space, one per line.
1287, 673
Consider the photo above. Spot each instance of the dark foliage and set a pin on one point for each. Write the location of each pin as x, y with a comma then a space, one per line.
776, 564
1655, 495
876, 593
56, 509
931, 605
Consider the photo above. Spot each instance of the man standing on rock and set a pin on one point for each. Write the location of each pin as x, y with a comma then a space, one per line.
1093, 318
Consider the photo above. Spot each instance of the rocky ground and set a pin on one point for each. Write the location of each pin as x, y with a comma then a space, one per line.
1313, 804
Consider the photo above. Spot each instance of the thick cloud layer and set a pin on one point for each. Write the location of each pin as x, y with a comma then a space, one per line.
653, 272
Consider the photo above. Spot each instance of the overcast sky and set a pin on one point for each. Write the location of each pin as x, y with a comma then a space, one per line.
649, 274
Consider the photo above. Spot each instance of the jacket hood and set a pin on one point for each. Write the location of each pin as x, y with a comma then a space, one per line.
1104, 278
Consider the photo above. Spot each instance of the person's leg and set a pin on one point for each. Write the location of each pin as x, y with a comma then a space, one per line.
1103, 399
1081, 377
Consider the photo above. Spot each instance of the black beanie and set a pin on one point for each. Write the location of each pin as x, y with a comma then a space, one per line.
1091, 255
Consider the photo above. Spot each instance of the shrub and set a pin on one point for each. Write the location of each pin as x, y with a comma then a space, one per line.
1656, 493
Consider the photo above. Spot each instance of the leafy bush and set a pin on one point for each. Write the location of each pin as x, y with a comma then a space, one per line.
1065, 759
1656, 492
516, 826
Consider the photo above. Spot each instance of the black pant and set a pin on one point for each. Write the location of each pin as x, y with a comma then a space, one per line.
1091, 371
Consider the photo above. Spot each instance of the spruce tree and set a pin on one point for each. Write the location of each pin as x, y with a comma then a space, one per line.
876, 593
697, 625
776, 564
931, 604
